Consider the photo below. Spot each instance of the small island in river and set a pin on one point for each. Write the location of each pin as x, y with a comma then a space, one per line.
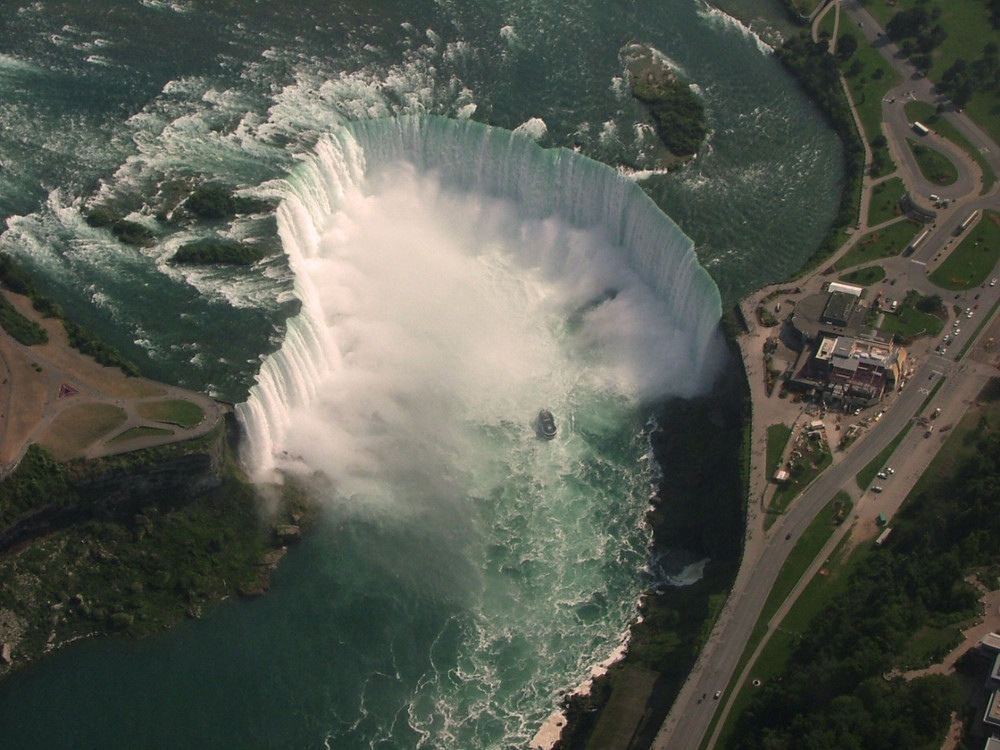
677, 113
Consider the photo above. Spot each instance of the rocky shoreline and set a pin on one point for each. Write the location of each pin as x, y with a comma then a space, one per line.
137, 567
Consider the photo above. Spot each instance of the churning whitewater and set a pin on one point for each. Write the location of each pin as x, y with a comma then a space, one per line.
450, 272
447, 282
454, 278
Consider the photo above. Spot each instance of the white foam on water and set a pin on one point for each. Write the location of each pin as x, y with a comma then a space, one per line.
582, 267
723, 20
535, 128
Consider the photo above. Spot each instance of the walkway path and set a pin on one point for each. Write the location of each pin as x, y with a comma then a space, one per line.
44, 387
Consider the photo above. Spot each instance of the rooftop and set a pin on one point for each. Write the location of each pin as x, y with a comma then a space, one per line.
990, 641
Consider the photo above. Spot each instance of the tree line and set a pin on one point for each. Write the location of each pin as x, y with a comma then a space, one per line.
833, 692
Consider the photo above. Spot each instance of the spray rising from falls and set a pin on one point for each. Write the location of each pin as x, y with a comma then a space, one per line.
454, 279
451, 272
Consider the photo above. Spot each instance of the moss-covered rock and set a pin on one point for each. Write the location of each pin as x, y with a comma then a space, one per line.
217, 251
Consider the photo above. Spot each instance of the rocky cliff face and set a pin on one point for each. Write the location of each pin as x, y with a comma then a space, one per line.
164, 477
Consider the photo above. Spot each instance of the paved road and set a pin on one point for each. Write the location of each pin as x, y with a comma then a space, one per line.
765, 553
756, 577
41, 383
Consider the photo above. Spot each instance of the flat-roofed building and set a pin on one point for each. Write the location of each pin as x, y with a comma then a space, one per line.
992, 716
839, 308
853, 370
990, 642
839, 286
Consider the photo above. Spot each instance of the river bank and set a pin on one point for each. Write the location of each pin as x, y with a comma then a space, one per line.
698, 508
142, 565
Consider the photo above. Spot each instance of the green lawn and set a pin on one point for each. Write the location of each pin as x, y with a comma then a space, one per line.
134, 433
777, 439
174, 411
927, 114
864, 276
77, 426
886, 242
805, 551
974, 259
969, 31
884, 205
908, 323
826, 25
813, 598
869, 77
934, 166
929, 646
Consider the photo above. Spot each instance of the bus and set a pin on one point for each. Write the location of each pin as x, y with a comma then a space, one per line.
883, 536
968, 222
920, 128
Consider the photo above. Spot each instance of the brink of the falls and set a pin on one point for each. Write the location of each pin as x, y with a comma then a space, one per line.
451, 272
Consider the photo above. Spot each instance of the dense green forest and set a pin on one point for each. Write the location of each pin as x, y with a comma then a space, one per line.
834, 692
677, 112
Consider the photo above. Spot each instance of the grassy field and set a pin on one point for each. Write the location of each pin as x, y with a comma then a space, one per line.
139, 432
826, 25
909, 323
884, 205
869, 78
973, 261
929, 646
927, 114
777, 439
172, 411
887, 242
805, 551
78, 426
934, 166
784, 639
969, 31
864, 276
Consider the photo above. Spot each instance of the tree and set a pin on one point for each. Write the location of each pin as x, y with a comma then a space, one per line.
847, 45
908, 23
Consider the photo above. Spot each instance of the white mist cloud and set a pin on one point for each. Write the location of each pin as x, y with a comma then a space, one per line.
432, 311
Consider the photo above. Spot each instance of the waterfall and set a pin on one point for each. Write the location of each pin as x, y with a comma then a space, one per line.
544, 185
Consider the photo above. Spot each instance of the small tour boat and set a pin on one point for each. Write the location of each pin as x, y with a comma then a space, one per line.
546, 424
